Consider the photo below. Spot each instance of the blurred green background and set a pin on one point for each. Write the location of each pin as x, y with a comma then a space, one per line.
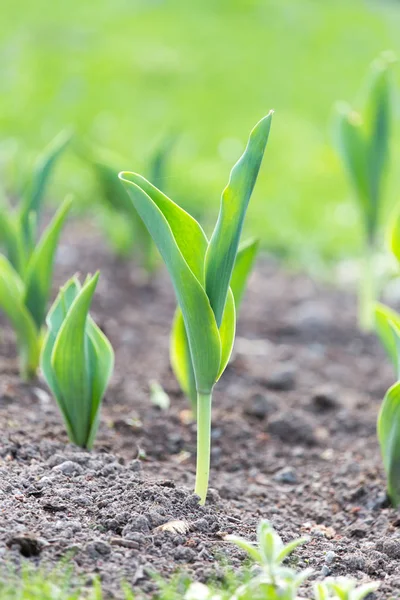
126, 73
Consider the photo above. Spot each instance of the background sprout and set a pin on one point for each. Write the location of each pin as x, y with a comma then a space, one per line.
201, 272
24, 297
363, 144
19, 228
124, 228
77, 360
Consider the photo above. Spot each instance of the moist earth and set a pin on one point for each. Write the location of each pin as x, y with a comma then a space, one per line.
294, 439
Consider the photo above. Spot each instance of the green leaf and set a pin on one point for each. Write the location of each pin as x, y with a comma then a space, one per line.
12, 303
290, 547
40, 267
222, 250
269, 542
11, 239
181, 360
227, 332
378, 121
389, 439
54, 320
385, 318
182, 244
159, 160
248, 547
70, 363
43, 170
243, 265
352, 148
394, 235
101, 360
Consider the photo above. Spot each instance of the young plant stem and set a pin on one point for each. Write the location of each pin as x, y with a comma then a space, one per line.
367, 289
203, 445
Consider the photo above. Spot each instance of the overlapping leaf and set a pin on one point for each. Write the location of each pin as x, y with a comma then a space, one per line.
40, 267
12, 303
387, 323
43, 170
224, 243
182, 244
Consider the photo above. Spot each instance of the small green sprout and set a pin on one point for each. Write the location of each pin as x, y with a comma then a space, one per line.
77, 360
343, 588
201, 272
275, 580
24, 296
19, 228
122, 224
180, 354
364, 143
387, 325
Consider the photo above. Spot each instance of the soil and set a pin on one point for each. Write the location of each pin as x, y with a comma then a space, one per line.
293, 433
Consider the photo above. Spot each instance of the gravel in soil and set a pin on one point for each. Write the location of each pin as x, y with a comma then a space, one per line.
293, 436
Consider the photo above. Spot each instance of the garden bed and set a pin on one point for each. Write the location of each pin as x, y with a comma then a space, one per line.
294, 439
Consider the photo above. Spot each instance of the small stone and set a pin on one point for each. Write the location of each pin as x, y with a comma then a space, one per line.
324, 399
27, 546
184, 554
282, 380
292, 428
286, 475
212, 496
354, 561
325, 571
391, 548
201, 525
259, 406
98, 549
140, 524
69, 468
330, 557
135, 465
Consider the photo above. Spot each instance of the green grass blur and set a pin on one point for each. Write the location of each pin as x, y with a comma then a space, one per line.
125, 73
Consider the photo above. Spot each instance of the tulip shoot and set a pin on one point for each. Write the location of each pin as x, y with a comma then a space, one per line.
201, 273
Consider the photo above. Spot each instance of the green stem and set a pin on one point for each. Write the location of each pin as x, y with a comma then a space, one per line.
367, 290
203, 445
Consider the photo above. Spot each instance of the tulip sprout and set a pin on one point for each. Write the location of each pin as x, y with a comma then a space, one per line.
363, 143
201, 272
124, 228
77, 360
19, 228
24, 297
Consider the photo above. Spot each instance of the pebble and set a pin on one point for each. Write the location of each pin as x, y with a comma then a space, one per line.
282, 380
140, 524
98, 549
324, 399
286, 475
325, 571
259, 406
391, 548
69, 468
293, 428
330, 557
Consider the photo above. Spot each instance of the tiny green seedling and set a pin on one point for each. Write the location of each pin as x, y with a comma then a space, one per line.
201, 272
19, 228
124, 228
364, 143
77, 360
343, 588
180, 354
387, 324
24, 297
276, 580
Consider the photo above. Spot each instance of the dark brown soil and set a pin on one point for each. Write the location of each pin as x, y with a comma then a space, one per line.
293, 439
